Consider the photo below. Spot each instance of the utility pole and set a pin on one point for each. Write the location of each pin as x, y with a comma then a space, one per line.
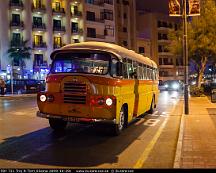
185, 55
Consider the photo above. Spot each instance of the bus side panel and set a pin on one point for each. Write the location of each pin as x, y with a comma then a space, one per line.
128, 97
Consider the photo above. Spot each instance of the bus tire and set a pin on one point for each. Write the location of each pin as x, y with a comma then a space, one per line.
117, 128
57, 124
151, 110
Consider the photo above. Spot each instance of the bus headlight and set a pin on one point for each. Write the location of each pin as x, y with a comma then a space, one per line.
109, 102
166, 86
43, 98
50, 98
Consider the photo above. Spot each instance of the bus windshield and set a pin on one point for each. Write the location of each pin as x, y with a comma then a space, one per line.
94, 63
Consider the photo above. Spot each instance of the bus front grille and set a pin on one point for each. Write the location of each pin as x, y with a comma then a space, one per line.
74, 99
71, 87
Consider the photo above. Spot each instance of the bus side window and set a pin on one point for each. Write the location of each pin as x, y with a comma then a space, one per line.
114, 68
144, 72
130, 68
125, 69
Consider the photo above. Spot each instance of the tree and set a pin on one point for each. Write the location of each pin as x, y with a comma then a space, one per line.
20, 54
201, 39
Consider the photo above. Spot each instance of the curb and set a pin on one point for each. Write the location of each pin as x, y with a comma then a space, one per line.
18, 95
177, 161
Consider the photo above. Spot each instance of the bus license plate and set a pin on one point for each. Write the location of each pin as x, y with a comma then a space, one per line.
72, 119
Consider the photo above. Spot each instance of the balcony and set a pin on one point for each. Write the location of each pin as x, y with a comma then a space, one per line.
38, 27
57, 46
76, 14
16, 5
40, 46
17, 25
58, 12
76, 31
96, 37
38, 9
97, 3
59, 29
96, 20
16, 43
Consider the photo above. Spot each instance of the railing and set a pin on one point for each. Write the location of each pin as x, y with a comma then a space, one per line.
60, 10
98, 2
59, 28
96, 20
16, 4
17, 24
76, 31
76, 13
16, 43
38, 7
57, 46
39, 45
38, 26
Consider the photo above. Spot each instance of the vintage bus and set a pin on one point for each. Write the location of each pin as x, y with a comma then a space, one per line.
97, 81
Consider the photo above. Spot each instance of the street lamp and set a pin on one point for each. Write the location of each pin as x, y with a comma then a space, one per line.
185, 55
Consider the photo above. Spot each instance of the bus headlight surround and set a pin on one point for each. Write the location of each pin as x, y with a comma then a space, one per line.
109, 101
43, 98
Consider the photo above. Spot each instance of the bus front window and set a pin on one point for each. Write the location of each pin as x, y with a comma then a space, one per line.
94, 63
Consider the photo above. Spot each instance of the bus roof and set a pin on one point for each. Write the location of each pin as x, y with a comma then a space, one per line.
111, 48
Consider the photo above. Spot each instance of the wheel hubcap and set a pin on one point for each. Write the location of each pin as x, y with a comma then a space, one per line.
121, 121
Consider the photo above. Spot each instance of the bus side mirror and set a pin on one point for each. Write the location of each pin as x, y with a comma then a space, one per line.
119, 69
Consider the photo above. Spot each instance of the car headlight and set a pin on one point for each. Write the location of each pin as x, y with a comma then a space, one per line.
43, 98
175, 86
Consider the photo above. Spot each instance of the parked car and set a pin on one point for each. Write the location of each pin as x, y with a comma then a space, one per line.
24, 86
173, 85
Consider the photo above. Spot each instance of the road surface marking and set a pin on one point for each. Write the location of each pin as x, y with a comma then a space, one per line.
150, 146
140, 121
151, 122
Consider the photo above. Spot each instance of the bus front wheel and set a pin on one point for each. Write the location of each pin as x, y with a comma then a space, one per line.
117, 128
57, 124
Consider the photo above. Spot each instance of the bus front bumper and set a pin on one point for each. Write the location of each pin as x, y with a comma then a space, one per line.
74, 119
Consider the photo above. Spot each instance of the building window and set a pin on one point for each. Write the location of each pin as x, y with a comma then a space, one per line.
37, 21
16, 18
37, 3
124, 29
141, 50
109, 30
107, 14
90, 1
125, 43
56, 23
38, 59
90, 16
76, 40
125, 15
74, 27
91, 32
16, 39
38, 40
57, 42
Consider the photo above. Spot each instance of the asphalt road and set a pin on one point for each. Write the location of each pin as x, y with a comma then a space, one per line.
26, 141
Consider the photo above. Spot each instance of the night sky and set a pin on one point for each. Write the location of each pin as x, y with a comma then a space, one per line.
153, 5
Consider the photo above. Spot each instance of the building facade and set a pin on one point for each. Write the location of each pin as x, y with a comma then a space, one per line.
155, 27
50, 24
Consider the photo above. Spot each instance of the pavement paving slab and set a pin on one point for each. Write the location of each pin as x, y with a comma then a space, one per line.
198, 144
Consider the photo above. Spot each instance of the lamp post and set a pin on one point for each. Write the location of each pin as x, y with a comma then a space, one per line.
185, 54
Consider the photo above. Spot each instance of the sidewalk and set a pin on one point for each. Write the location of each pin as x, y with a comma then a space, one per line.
17, 95
197, 137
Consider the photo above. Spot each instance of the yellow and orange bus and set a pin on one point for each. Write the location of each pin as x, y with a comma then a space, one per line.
97, 81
